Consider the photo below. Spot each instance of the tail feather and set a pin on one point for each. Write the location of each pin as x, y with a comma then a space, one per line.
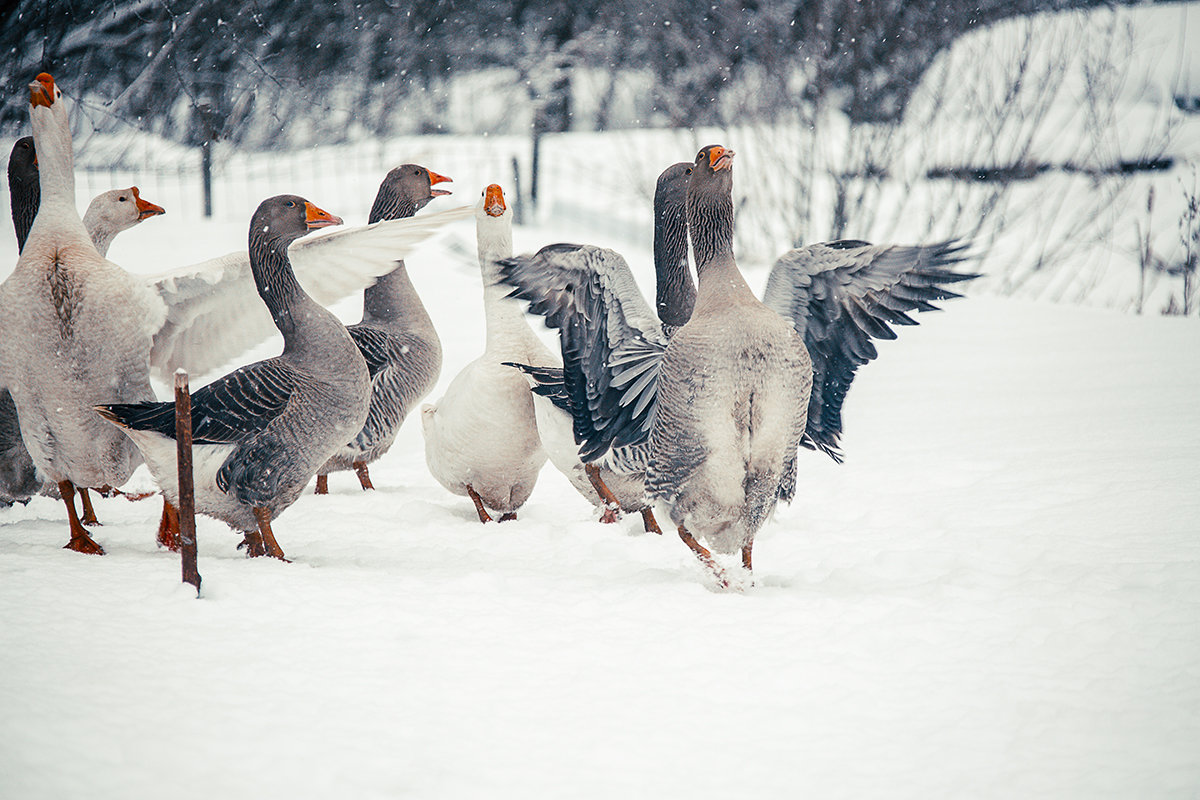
148, 416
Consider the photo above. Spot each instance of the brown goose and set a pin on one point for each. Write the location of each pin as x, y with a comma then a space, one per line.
726, 403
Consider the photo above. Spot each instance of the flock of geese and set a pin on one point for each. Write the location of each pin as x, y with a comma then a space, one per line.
697, 407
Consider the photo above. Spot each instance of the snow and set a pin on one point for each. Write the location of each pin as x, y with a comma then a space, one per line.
997, 595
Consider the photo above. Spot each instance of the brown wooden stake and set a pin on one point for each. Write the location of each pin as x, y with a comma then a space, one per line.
187, 490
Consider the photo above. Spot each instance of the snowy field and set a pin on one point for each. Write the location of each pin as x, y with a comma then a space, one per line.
995, 596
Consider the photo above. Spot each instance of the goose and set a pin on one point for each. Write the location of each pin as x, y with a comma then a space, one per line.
262, 431
481, 437
396, 335
617, 481
108, 214
77, 331
724, 405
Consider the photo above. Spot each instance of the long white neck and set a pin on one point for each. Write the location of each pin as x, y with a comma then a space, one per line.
507, 330
56, 162
101, 230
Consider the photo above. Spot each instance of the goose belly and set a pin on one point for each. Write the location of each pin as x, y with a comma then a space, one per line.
483, 434
159, 453
731, 414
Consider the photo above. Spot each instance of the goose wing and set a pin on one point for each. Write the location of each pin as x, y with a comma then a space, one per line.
841, 295
214, 312
612, 343
226, 411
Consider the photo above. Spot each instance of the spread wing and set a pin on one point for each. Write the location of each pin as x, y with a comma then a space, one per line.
214, 312
612, 343
841, 295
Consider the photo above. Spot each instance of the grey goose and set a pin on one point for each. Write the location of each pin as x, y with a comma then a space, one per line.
617, 480
396, 335
723, 406
262, 431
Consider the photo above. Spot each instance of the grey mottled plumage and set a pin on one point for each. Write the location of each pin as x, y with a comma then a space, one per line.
396, 335
721, 409
263, 430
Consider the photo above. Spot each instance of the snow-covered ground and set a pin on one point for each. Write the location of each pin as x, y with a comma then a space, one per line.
995, 596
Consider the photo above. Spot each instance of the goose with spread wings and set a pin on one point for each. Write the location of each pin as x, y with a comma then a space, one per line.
617, 480
721, 408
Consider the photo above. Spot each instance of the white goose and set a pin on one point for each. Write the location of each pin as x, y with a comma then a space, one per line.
481, 439
78, 331
109, 214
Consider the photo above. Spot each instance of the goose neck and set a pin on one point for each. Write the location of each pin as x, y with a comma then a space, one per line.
675, 293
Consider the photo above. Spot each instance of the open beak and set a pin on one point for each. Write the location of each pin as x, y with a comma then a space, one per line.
145, 208
493, 201
41, 91
720, 158
317, 218
435, 179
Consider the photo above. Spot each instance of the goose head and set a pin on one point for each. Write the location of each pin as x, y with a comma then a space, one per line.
114, 211
22, 163
492, 203
671, 189
52, 134
282, 219
407, 189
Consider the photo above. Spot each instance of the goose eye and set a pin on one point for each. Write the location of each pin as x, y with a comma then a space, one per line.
290, 204
121, 198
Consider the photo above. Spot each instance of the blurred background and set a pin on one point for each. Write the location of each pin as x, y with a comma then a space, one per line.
1061, 137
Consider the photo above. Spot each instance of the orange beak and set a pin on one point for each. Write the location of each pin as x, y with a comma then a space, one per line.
435, 179
720, 158
145, 208
41, 93
493, 201
316, 218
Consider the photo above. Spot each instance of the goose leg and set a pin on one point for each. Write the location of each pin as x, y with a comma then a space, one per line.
360, 469
322, 484
705, 557
746, 555
483, 515
252, 542
168, 527
611, 506
263, 516
80, 541
649, 522
89, 513
508, 516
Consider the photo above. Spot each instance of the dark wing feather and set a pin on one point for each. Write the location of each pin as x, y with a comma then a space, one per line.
226, 411
611, 341
841, 295
547, 382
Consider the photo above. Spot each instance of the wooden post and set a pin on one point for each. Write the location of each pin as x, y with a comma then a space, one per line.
187, 492
519, 216
206, 176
